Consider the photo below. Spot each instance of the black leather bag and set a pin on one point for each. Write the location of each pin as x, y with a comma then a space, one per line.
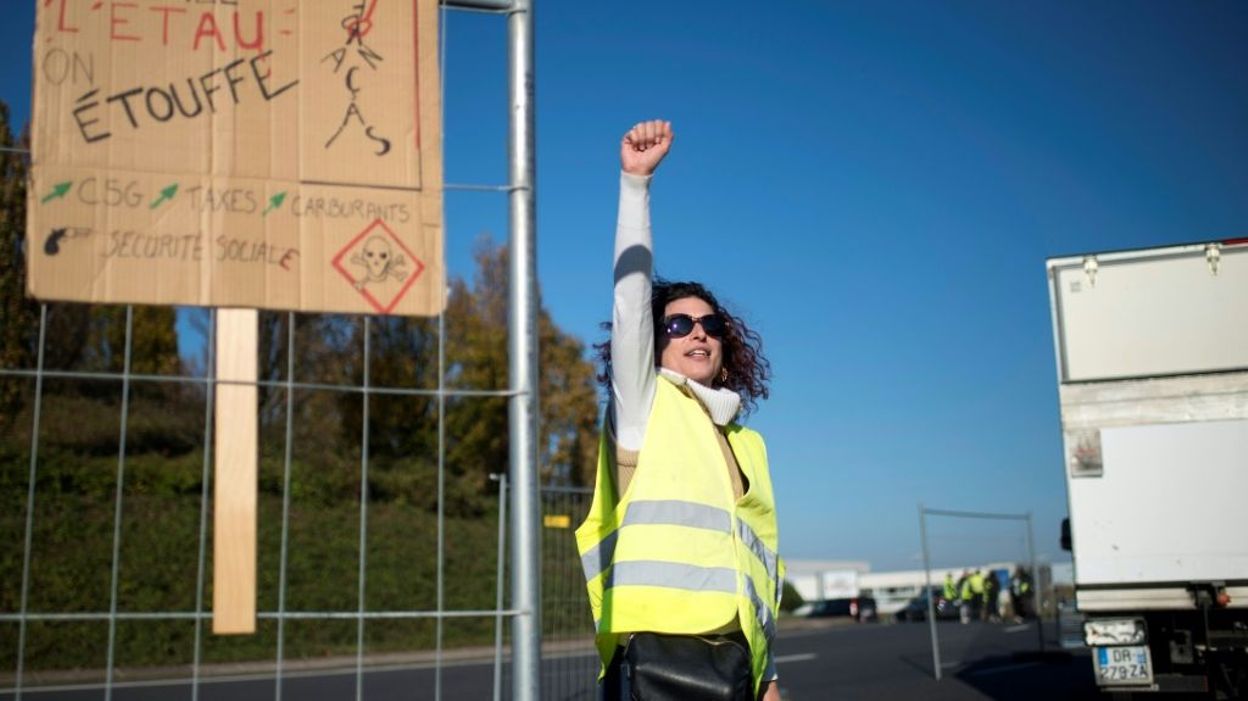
657, 667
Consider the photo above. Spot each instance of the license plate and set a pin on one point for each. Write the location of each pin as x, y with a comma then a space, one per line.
1123, 665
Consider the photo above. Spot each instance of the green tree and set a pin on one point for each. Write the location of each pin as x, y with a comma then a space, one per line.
567, 393
403, 433
403, 430
569, 408
19, 316
77, 337
790, 599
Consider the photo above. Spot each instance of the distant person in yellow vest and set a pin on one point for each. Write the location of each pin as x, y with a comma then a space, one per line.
1020, 590
992, 594
976, 582
950, 593
680, 545
964, 597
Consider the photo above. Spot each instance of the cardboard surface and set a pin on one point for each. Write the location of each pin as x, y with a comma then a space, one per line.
278, 154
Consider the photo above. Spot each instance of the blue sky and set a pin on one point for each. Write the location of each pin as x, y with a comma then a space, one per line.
875, 187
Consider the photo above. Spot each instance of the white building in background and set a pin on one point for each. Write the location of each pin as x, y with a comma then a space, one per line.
820, 580
893, 590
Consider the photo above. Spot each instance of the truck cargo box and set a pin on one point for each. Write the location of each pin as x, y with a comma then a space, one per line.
1152, 350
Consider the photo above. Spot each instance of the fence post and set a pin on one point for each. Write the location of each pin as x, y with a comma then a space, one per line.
498, 592
526, 639
1031, 555
1035, 581
931, 605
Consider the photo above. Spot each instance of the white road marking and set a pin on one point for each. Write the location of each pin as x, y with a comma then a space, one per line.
1018, 628
796, 658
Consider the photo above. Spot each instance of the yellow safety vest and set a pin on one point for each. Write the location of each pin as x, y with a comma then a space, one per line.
676, 553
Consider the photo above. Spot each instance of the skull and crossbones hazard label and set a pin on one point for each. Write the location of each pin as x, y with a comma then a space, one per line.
380, 262
378, 266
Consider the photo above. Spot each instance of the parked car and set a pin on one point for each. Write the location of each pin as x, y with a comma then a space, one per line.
916, 609
860, 608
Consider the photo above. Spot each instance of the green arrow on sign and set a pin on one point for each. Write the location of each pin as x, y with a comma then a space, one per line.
274, 202
58, 191
165, 194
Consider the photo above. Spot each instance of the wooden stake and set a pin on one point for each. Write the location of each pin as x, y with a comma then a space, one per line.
235, 451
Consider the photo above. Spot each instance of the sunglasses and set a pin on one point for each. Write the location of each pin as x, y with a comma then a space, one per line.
681, 325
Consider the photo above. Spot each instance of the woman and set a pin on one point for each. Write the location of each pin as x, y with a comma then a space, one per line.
679, 547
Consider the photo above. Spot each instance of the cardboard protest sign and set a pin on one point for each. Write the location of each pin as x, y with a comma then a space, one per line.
278, 154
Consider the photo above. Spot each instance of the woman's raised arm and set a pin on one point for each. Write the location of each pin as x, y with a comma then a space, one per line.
632, 326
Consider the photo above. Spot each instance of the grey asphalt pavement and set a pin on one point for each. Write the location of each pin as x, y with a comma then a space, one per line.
980, 661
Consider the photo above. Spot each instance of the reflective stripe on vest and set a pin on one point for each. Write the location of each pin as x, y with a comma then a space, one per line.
764, 554
675, 575
664, 512
761, 610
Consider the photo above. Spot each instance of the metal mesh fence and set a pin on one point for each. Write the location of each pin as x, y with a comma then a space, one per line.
352, 576
567, 623
996, 550
96, 539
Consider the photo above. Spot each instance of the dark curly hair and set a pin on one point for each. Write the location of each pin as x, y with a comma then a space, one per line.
746, 371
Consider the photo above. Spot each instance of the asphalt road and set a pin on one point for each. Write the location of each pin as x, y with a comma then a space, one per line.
874, 662
979, 661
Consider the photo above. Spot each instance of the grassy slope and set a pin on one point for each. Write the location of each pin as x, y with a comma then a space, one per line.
71, 566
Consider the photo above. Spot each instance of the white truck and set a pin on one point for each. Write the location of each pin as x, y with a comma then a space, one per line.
1152, 357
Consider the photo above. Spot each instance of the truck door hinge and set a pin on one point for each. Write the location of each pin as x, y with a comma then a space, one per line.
1090, 268
1213, 256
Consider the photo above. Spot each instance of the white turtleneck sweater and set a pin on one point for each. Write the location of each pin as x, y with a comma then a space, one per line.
632, 327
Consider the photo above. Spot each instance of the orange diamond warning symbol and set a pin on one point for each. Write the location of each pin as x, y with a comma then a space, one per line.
379, 266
